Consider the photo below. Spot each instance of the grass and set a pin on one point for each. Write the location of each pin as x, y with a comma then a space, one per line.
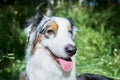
97, 42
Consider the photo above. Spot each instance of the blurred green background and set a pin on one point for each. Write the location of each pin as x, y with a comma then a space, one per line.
98, 38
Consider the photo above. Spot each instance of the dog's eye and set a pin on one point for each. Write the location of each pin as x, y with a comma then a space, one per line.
50, 32
70, 31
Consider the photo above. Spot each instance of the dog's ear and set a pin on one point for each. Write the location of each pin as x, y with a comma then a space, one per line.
74, 28
39, 15
32, 23
71, 21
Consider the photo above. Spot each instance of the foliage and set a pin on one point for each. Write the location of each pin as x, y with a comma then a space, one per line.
97, 40
12, 40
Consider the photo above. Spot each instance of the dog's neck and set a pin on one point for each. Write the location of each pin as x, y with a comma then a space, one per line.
41, 66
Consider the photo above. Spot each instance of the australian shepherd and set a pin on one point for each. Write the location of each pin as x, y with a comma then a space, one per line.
50, 53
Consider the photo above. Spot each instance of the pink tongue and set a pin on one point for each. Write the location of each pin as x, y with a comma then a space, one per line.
66, 65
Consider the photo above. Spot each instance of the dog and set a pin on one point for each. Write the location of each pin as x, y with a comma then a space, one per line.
88, 76
50, 53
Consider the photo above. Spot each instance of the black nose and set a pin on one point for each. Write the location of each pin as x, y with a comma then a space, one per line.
71, 50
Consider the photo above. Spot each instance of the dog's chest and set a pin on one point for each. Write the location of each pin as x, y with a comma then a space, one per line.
42, 67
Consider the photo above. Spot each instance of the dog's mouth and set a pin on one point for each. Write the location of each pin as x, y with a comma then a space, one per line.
65, 63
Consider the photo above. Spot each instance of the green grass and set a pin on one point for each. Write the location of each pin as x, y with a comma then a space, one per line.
94, 53
97, 40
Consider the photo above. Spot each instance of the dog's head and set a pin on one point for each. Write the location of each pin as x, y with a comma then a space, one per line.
56, 35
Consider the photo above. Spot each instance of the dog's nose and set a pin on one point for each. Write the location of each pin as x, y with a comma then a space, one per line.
71, 50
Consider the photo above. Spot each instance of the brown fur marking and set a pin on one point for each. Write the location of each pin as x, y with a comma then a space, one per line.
36, 44
53, 26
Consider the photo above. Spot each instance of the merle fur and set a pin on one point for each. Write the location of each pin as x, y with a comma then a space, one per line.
88, 76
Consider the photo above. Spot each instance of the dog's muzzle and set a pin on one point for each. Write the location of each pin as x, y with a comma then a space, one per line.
65, 63
70, 50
